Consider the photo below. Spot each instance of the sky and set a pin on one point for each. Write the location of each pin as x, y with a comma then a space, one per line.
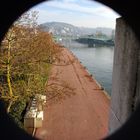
82, 13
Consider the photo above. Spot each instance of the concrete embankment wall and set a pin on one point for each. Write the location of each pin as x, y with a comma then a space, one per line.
126, 75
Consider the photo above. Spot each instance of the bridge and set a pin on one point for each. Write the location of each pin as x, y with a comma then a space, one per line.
92, 42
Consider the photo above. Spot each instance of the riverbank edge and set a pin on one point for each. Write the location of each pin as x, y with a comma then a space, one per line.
92, 76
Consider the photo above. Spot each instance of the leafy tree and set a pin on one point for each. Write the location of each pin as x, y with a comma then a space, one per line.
21, 53
99, 34
26, 54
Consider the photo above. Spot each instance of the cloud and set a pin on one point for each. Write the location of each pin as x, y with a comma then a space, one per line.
76, 7
84, 13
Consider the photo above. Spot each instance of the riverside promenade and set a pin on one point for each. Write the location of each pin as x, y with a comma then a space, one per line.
82, 116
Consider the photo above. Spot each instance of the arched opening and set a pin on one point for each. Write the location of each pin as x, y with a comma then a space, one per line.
34, 51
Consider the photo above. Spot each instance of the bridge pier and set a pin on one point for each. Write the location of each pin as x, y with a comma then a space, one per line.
126, 75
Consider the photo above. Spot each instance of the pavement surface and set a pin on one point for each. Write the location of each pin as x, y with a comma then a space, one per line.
80, 116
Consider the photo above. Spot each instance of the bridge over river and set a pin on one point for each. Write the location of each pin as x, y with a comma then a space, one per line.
92, 42
87, 40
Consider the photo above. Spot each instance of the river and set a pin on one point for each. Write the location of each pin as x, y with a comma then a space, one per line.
98, 61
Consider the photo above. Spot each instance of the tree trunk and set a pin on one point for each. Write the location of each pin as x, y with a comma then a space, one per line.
9, 106
9, 76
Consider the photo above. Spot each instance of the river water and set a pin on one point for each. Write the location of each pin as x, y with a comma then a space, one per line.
98, 61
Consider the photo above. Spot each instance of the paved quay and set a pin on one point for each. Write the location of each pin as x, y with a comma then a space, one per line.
82, 116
